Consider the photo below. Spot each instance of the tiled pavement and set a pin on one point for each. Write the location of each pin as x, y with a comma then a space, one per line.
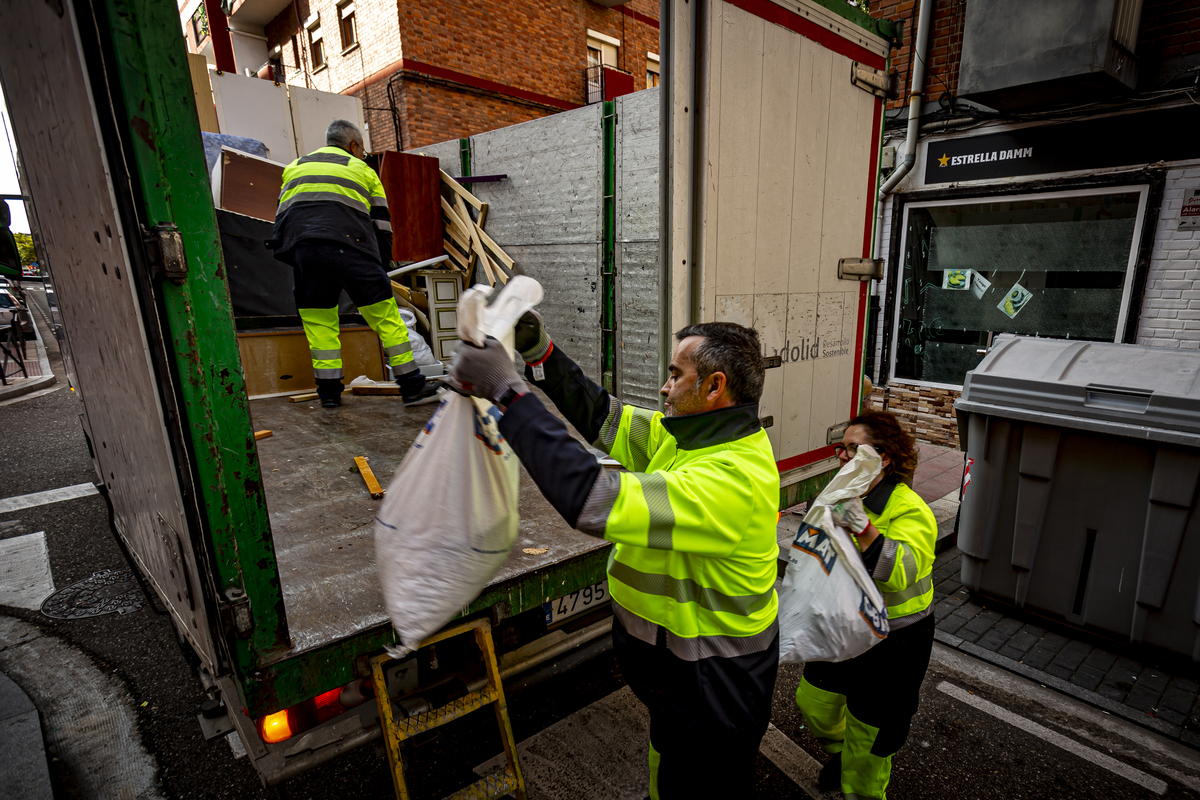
1163, 697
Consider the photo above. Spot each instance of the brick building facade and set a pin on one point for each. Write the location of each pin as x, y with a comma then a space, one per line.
442, 69
923, 344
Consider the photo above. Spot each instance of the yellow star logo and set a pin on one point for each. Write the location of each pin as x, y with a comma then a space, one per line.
944, 160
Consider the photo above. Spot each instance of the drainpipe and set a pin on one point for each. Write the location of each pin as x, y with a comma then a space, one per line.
916, 96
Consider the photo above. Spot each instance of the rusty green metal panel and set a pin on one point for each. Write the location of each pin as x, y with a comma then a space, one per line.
153, 96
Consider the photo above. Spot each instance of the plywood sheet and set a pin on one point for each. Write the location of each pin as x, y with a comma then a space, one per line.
313, 110
412, 184
247, 184
205, 110
279, 361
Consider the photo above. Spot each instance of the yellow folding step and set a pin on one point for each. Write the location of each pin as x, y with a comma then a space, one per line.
397, 730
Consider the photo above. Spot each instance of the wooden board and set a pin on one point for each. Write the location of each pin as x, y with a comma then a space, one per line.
412, 184
205, 109
247, 184
279, 360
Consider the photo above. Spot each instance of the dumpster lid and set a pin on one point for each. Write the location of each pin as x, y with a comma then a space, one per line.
1125, 389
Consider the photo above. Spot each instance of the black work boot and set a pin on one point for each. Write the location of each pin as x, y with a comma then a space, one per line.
830, 779
414, 388
330, 392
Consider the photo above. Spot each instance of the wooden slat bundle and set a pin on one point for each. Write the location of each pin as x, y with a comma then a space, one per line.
466, 242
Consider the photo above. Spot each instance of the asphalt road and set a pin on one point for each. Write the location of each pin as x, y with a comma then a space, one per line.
980, 732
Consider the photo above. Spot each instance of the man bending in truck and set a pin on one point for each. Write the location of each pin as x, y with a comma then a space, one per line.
692, 572
334, 228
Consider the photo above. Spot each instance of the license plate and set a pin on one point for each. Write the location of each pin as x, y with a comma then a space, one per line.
576, 602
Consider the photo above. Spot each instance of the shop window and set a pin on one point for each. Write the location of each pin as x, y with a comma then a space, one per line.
1058, 266
652, 69
316, 45
348, 25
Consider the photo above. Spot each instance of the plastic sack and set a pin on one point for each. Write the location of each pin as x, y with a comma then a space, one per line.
829, 606
449, 517
422, 355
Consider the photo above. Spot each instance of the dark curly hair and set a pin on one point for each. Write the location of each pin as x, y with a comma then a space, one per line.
889, 439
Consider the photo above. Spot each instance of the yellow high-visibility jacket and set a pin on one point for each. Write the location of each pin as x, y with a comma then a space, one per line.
904, 569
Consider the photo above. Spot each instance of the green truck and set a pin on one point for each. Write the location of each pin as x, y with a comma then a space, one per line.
261, 549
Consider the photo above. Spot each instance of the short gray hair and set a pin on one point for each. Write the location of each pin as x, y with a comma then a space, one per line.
732, 349
341, 133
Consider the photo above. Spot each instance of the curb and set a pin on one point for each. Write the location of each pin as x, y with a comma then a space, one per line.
23, 771
47, 378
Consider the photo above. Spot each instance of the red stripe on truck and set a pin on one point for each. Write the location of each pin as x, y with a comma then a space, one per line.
767, 10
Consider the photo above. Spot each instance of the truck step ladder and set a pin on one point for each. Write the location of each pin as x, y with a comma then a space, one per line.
397, 730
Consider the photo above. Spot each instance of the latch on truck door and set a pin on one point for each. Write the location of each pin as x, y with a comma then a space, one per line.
164, 253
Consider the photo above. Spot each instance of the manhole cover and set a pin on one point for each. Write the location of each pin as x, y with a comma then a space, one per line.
106, 591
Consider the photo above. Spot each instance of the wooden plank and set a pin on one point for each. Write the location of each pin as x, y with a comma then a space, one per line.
202, 89
455, 256
262, 435
368, 477
460, 191
300, 398
375, 390
480, 253
502, 256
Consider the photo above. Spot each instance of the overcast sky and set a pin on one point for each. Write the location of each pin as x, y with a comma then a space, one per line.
8, 171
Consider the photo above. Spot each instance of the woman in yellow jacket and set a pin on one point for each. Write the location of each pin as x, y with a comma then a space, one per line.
860, 710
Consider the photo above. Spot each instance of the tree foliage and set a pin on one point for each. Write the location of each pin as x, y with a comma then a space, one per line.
25, 248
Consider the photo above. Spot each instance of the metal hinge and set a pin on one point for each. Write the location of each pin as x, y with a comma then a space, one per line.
772, 362
860, 269
164, 253
766, 422
836, 432
235, 612
874, 81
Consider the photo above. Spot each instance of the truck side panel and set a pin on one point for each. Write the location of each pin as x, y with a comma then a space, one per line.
96, 285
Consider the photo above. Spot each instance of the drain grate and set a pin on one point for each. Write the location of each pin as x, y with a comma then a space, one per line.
106, 591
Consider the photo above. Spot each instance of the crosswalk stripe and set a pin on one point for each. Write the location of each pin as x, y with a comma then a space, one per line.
10, 504
1057, 739
791, 760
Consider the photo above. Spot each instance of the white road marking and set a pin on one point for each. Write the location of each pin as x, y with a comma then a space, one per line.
25, 579
10, 504
1057, 739
791, 760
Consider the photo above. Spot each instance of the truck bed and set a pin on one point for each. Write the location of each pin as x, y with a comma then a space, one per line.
322, 517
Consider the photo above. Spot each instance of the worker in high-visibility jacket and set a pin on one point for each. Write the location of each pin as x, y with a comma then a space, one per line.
861, 709
334, 228
692, 573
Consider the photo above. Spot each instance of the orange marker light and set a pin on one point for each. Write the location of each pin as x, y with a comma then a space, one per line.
275, 728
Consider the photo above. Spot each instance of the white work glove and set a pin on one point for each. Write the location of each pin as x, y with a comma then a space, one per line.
851, 515
486, 372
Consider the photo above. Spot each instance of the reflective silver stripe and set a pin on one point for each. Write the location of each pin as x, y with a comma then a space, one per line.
325, 355
322, 197
398, 349
593, 517
694, 648
383, 225
324, 158
910, 565
662, 516
333, 179
639, 436
916, 590
377, 201
405, 368
908, 619
686, 590
887, 560
328, 373
612, 424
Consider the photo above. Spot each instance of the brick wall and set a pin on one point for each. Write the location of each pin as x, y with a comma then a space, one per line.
535, 46
925, 412
1170, 313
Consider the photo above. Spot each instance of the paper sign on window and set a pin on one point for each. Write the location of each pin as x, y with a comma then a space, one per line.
1016, 299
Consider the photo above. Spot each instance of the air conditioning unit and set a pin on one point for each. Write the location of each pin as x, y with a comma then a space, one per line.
1023, 54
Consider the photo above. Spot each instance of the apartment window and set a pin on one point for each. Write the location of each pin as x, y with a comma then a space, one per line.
601, 52
651, 70
348, 25
1057, 265
316, 44
296, 51
200, 24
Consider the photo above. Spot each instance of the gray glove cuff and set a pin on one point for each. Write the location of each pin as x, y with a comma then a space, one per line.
540, 350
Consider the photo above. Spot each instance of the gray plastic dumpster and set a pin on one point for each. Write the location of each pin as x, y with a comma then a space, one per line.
1085, 462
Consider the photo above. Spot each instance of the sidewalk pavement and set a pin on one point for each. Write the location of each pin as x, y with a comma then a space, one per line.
1159, 695
38, 372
